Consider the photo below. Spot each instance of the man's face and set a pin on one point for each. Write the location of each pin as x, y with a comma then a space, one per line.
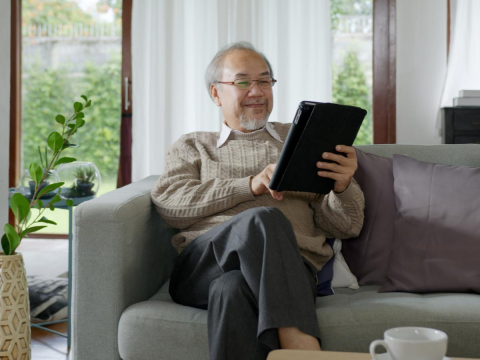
250, 106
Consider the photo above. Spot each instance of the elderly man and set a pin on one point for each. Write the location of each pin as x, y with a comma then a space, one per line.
247, 253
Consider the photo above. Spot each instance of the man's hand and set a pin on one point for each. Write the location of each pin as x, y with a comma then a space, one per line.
342, 169
259, 184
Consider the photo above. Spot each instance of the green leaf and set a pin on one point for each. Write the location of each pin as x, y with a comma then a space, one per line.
6, 246
55, 199
84, 97
36, 172
49, 188
77, 106
71, 126
69, 202
52, 208
45, 220
55, 141
60, 119
80, 115
79, 123
64, 160
12, 237
39, 204
68, 144
31, 229
20, 206
89, 102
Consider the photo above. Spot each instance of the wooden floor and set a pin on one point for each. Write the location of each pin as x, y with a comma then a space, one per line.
48, 346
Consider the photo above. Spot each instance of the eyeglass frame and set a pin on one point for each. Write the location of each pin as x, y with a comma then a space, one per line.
273, 82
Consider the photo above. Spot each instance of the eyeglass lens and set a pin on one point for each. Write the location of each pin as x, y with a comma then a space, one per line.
246, 83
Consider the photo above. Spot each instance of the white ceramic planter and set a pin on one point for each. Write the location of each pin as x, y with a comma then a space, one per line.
14, 309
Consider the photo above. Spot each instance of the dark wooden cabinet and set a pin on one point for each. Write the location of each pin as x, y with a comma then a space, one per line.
461, 125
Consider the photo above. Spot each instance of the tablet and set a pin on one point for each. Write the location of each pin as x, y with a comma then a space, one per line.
316, 128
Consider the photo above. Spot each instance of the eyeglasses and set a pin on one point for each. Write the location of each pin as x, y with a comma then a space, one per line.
243, 84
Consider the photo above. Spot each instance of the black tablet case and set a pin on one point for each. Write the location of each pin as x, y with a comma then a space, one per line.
311, 134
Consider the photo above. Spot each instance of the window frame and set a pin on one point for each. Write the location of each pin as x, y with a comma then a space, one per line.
384, 72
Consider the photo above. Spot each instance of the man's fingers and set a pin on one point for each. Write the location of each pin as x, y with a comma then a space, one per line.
333, 167
349, 150
269, 170
342, 160
333, 175
276, 195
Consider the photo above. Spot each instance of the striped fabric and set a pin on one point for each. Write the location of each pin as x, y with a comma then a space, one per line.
48, 299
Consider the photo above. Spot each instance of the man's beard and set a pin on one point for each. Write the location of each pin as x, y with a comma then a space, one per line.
253, 124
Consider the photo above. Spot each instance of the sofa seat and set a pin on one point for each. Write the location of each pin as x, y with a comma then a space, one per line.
349, 321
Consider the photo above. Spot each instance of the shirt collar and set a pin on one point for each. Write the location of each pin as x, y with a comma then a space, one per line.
226, 130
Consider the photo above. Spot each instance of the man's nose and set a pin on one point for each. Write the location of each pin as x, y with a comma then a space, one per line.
255, 89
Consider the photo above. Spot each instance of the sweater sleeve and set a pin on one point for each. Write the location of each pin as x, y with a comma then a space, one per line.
340, 215
182, 198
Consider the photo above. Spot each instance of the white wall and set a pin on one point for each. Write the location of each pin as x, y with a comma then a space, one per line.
4, 108
421, 69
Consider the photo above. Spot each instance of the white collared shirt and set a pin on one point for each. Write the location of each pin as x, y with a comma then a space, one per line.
226, 130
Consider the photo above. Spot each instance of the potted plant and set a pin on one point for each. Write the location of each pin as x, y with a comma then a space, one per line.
51, 175
13, 281
84, 180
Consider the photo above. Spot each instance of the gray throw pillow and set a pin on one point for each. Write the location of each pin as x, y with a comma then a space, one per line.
367, 255
437, 228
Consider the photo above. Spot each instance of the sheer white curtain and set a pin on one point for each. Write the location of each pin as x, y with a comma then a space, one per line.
463, 69
173, 42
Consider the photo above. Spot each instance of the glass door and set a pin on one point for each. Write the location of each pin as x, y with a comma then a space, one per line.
70, 48
352, 66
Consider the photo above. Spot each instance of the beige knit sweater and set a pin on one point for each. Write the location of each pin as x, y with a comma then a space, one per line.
203, 186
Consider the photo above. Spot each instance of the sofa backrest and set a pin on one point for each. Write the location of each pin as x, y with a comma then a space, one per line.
449, 154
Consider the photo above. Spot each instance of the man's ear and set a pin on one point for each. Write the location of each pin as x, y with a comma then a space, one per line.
214, 93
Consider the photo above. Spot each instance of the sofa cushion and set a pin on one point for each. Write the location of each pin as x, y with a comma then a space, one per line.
367, 255
349, 321
437, 228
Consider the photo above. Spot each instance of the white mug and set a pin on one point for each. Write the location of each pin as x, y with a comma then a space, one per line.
412, 343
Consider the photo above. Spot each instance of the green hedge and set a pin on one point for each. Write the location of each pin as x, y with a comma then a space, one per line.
350, 88
50, 92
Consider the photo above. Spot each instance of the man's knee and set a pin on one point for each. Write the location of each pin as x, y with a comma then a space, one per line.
265, 214
231, 286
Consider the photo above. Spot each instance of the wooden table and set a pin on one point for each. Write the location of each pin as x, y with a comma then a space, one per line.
322, 355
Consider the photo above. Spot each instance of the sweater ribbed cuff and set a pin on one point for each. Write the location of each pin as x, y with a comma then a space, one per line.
242, 189
350, 193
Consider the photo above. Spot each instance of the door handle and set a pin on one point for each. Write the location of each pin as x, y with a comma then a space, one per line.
126, 82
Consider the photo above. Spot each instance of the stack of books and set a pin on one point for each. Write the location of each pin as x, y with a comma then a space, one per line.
467, 98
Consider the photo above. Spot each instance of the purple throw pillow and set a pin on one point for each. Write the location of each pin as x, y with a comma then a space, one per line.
367, 255
437, 228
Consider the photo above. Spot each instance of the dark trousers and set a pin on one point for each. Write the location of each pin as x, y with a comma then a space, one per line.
249, 274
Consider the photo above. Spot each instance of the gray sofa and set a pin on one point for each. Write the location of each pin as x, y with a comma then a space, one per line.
122, 258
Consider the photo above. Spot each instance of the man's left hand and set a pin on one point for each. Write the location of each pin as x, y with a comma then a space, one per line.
342, 169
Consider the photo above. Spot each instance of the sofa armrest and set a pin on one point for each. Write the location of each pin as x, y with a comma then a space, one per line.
121, 255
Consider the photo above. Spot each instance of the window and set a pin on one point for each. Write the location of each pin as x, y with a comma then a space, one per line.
68, 48
352, 67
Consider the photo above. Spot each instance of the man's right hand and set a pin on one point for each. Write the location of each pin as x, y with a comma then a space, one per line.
259, 184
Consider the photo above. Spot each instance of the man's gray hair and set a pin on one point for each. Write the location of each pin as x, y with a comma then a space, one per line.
215, 68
